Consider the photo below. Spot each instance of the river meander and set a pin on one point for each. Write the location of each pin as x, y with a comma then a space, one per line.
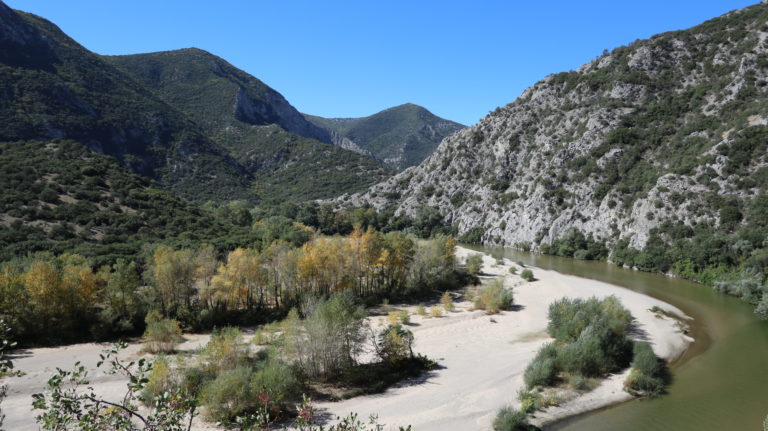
720, 383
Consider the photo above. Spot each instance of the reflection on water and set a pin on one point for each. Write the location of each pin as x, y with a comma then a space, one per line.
720, 384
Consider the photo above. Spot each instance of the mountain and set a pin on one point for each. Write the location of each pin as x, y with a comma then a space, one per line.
53, 88
289, 157
655, 151
66, 198
402, 136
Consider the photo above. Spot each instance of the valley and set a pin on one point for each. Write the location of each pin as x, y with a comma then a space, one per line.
592, 255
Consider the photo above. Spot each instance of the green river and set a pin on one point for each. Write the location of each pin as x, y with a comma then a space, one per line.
720, 384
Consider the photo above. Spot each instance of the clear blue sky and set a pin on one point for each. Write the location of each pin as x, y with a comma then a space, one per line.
460, 59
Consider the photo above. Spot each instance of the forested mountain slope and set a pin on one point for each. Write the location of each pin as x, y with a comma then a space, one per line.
52, 87
401, 136
62, 197
656, 150
259, 128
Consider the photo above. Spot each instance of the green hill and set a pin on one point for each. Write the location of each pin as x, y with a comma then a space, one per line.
51, 87
289, 157
401, 136
66, 198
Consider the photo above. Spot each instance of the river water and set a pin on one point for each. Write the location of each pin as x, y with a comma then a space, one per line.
721, 383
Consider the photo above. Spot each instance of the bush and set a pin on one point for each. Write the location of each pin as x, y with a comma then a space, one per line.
494, 298
474, 264
225, 350
527, 275
543, 370
447, 301
509, 419
596, 352
161, 380
421, 311
229, 395
649, 374
569, 317
274, 382
580, 383
435, 311
331, 338
395, 343
161, 335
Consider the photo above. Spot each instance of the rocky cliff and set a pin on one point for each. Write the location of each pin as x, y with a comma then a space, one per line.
663, 138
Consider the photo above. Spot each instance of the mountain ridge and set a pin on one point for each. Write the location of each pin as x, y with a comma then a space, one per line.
401, 136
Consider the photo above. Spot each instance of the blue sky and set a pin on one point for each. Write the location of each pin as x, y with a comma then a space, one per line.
460, 59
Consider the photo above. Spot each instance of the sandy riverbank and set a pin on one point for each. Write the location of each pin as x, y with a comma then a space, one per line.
482, 358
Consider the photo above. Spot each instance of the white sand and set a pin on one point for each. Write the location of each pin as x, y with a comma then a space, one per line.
482, 359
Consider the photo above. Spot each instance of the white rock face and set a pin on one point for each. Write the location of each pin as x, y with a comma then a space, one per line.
541, 165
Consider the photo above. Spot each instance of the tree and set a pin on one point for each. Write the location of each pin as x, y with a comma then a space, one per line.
331, 337
173, 274
69, 405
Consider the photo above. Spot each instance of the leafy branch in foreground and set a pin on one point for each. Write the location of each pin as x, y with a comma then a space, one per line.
6, 365
66, 406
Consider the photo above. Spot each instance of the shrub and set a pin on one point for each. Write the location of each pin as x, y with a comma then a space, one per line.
512, 270
274, 382
596, 352
569, 317
527, 275
161, 380
421, 311
474, 264
229, 395
580, 383
161, 335
447, 300
649, 374
331, 338
395, 343
435, 311
225, 350
494, 298
509, 419
543, 370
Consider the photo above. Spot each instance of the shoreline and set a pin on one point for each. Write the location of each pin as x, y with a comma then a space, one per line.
483, 357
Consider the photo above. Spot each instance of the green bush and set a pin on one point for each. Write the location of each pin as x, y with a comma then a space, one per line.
527, 275
494, 298
395, 343
543, 370
596, 352
274, 382
229, 395
474, 264
161, 335
509, 419
226, 349
569, 317
649, 375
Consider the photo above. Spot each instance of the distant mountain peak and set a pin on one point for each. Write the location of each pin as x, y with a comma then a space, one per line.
401, 136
